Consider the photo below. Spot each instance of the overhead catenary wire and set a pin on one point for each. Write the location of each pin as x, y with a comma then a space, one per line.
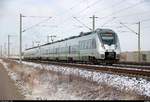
131, 6
108, 21
89, 6
72, 15
126, 15
112, 6
131, 15
129, 28
82, 23
36, 24
36, 16
71, 8
125, 9
145, 20
76, 5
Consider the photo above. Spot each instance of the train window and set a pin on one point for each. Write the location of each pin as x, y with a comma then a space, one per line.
62, 50
90, 44
80, 45
56, 51
93, 44
50, 50
53, 50
85, 44
108, 38
74, 49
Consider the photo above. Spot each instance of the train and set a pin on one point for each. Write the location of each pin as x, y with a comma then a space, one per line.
98, 46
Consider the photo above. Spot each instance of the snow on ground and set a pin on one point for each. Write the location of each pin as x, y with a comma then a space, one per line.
39, 91
141, 86
36, 83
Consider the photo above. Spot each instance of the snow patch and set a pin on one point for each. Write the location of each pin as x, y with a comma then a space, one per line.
141, 86
14, 76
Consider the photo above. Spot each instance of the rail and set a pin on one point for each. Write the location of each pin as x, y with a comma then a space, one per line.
116, 68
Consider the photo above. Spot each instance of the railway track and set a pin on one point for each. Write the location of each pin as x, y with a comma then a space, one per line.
122, 69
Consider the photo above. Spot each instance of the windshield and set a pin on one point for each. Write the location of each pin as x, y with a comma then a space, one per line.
108, 38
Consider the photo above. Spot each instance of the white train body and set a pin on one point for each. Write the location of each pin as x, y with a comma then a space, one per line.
102, 44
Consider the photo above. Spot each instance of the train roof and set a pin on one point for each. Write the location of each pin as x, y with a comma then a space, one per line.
72, 37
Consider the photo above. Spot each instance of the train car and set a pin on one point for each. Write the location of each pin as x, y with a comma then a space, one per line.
101, 45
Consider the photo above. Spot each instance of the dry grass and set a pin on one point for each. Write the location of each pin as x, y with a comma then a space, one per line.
74, 85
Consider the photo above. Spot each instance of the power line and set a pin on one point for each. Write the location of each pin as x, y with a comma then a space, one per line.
132, 14
114, 5
109, 21
93, 18
145, 20
82, 23
75, 5
128, 28
36, 16
96, 2
36, 24
71, 8
131, 6
89, 6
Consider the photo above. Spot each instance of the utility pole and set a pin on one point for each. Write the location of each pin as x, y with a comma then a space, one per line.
20, 38
5, 52
38, 43
21, 31
93, 18
51, 36
8, 45
139, 42
1, 51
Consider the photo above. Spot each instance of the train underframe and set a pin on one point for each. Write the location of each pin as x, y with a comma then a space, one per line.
110, 58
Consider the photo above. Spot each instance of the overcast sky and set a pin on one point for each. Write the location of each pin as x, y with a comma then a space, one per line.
62, 24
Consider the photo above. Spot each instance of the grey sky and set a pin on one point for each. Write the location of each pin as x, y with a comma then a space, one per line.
63, 25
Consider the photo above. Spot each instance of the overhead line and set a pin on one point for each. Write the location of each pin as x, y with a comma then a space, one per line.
37, 16
129, 28
131, 6
83, 9
131, 14
75, 5
114, 5
109, 21
145, 20
36, 24
70, 9
82, 23
89, 6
